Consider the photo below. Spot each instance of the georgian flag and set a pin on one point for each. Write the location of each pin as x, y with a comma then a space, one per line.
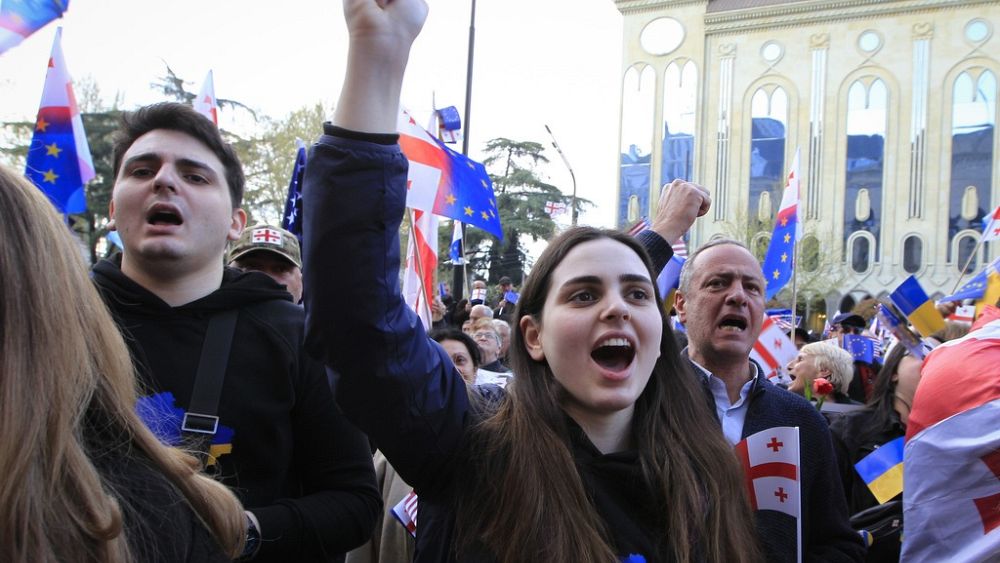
205, 103
991, 228
773, 350
421, 263
770, 461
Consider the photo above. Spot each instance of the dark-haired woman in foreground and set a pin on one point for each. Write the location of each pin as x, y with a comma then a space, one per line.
83, 479
603, 448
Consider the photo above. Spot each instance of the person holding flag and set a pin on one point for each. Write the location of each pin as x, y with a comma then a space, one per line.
721, 302
575, 462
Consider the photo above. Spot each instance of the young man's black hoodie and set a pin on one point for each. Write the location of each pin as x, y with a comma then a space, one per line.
295, 462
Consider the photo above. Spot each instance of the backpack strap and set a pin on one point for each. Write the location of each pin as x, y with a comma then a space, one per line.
201, 421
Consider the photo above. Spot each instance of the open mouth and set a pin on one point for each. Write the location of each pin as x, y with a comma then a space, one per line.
733, 324
614, 354
163, 217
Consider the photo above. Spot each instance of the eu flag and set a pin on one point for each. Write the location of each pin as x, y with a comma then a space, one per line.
913, 302
787, 230
976, 286
861, 347
291, 221
21, 18
59, 161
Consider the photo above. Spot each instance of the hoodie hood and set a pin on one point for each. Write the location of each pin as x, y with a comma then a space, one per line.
238, 289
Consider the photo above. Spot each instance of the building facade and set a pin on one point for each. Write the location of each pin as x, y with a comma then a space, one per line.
891, 106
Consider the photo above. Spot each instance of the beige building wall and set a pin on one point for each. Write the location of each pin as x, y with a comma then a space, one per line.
922, 48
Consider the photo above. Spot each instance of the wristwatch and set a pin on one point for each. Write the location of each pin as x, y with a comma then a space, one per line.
253, 538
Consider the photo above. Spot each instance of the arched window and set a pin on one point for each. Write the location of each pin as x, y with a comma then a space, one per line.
759, 245
913, 253
867, 107
638, 92
768, 123
861, 254
966, 245
973, 119
680, 97
809, 254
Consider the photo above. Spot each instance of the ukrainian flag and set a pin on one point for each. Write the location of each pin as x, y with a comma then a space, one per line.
913, 302
882, 470
992, 292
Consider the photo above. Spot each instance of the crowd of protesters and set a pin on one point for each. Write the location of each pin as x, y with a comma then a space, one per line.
220, 392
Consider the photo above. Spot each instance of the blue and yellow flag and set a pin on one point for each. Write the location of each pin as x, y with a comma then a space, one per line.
882, 470
991, 294
913, 302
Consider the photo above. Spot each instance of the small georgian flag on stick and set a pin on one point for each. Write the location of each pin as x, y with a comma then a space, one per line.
770, 460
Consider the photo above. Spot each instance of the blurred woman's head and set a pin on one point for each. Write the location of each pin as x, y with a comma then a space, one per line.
462, 350
821, 359
896, 384
63, 366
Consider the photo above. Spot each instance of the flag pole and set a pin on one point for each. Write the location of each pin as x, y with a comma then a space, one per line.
460, 285
961, 273
571, 174
798, 484
795, 279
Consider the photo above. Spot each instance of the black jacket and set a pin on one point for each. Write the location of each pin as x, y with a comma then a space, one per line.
295, 461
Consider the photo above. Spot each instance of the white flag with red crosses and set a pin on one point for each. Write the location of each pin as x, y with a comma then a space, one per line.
770, 461
205, 103
773, 351
991, 225
264, 235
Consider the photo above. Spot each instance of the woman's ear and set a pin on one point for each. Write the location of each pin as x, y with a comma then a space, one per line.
532, 332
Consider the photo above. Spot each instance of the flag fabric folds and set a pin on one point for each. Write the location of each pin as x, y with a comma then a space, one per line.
770, 460
882, 470
59, 160
421, 262
951, 502
406, 512
992, 292
913, 302
291, 221
205, 103
456, 251
895, 326
861, 347
669, 279
773, 350
778, 263
991, 226
21, 18
444, 182
555, 208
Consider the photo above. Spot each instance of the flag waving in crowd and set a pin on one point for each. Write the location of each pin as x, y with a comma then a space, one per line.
19, 19
770, 460
59, 160
779, 262
773, 350
951, 465
205, 103
444, 182
291, 221
421, 262
991, 226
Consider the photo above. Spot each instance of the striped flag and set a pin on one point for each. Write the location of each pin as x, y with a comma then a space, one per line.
406, 512
679, 246
770, 461
882, 470
421, 263
59, 160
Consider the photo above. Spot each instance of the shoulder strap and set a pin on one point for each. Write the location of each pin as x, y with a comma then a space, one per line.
202, 415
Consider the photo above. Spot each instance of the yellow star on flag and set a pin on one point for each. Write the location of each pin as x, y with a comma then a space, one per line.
450, 199
51, 176
468, 211
41, 125
486, 216
784, 256
776, 274
52, 150
784, 221
788, 237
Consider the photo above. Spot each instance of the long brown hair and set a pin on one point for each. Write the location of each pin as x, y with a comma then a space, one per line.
530, 504
63, 367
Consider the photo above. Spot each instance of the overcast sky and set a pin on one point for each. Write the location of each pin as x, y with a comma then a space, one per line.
537, 62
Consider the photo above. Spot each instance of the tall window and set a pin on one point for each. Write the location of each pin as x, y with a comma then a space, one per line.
769, 118
680, 96
867, 112
637, 139
913, 253
973, 118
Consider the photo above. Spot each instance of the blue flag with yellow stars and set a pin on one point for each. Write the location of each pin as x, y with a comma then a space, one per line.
778, 264
21, 18
59, 161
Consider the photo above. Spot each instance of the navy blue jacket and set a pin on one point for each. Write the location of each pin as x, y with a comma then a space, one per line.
398, 385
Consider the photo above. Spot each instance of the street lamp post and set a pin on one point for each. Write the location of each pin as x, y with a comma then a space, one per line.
571, 174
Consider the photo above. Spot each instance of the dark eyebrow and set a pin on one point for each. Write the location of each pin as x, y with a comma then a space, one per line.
596, 280
183, 162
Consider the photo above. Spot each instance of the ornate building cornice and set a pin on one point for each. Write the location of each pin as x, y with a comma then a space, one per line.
820, 11
627, 7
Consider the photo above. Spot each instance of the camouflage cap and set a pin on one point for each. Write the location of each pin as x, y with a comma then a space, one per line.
267, 238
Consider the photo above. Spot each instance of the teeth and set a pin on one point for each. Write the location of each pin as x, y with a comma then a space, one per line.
731, 328
615, 342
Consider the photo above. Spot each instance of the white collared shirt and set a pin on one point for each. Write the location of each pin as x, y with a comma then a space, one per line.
731, 415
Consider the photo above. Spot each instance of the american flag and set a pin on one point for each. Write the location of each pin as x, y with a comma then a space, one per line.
679, 246
406, 512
